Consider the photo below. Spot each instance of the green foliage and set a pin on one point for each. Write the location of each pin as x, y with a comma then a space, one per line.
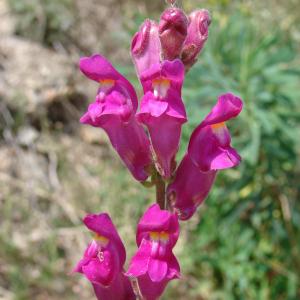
247, 243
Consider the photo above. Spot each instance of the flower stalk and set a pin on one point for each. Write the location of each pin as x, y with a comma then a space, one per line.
160, 187
136, 288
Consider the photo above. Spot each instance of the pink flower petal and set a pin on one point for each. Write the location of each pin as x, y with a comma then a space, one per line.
101, 272
157, 270
99, 68
139, 263
209, 146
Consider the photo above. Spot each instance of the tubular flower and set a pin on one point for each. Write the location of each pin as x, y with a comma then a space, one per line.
172, 32
103, 260
196, 37
154, 264
209, 150
163, 111
114, 111
190, 188
146, 47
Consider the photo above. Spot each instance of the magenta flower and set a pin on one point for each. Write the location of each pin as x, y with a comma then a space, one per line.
103, 260
163, 111
172, 32
146, 47
154, 264
114, 111
209, 150
196, 37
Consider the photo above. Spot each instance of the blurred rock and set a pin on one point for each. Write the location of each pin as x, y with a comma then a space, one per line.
7, 22
27, 136
32, 74
27, 169
38, 82
6, 158
41, 83
93, 135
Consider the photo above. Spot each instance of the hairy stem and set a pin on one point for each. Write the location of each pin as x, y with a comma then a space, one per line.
136, 289
160, 191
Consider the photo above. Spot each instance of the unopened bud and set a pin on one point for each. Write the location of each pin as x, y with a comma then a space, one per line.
172, 32
196, 37
145, 47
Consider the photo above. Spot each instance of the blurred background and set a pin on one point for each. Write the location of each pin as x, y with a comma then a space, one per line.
244, 243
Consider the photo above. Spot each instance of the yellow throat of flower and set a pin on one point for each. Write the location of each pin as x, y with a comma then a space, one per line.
218, 126
159, 236
161, 87
102, 240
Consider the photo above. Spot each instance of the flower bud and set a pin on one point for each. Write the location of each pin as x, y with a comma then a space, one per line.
145, 47
172, 32
196, 37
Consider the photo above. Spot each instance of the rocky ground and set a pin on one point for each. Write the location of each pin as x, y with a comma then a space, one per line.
52, 170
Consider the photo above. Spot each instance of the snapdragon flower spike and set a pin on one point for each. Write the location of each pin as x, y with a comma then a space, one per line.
154, 264
163, 111
209, 150
196, 37
146, 47
103, 260
114, 111
172, 32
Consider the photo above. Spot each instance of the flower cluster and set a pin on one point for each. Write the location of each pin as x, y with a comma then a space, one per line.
146, 135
